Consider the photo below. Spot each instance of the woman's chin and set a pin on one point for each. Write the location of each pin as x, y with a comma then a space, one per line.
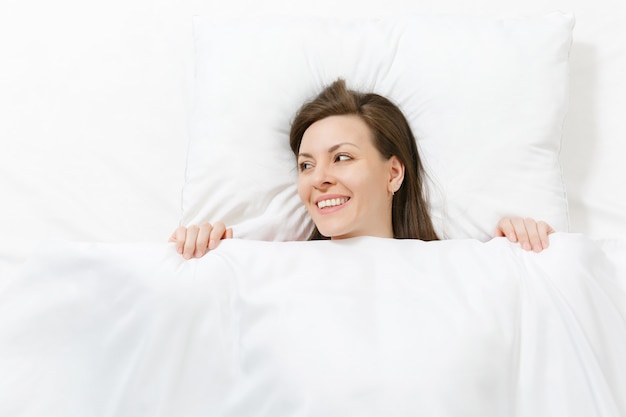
333, 232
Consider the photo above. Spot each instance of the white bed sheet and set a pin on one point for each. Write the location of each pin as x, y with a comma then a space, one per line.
366, 327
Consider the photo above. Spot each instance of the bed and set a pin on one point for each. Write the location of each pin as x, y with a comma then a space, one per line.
126, 124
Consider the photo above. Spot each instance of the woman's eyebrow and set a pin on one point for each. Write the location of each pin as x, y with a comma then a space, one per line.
330, 150
337, 146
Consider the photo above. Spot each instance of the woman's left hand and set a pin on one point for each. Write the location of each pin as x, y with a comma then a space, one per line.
531, 234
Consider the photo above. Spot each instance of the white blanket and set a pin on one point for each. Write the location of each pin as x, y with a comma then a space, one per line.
362, 327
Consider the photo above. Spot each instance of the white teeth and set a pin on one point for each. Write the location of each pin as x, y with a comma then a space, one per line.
331, 202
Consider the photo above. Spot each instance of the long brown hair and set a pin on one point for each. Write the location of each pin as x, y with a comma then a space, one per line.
392, 136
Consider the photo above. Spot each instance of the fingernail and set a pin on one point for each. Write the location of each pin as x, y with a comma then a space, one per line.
212, 244
526, 246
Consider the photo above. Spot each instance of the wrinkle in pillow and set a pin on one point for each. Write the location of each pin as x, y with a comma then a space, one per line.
485, 97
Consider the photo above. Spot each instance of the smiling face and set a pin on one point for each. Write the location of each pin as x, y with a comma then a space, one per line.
345, 183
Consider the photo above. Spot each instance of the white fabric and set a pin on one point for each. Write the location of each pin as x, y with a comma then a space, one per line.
486, 99
367, 327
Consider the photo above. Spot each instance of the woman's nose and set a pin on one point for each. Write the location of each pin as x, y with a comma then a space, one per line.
323, 176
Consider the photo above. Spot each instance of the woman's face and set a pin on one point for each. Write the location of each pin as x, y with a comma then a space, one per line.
344, 182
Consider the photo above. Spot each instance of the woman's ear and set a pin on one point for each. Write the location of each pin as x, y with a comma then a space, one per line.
396, 174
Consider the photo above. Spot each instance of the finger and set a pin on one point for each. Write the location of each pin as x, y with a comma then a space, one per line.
505, 228
202, 241
178, 237
190, 241
218, 233
229, 233
533, 234
544, 230
521, 233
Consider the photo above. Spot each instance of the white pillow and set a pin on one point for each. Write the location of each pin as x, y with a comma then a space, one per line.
486, 99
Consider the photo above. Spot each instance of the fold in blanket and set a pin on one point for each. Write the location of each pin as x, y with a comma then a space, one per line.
361, 327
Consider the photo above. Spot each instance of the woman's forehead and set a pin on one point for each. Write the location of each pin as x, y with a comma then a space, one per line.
335, 131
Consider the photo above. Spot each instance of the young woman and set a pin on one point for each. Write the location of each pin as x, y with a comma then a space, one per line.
359, 175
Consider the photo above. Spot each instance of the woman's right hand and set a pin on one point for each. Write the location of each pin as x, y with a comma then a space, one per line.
195, 241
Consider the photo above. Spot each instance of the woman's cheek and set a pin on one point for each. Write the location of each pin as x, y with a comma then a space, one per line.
302, 193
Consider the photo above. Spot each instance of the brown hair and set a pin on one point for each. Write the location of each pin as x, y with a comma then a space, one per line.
392, 136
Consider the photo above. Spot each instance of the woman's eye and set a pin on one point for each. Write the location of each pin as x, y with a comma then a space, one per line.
342, 157
305, 165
